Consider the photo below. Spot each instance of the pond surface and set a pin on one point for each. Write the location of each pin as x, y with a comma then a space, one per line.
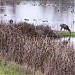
68, 40
50, 12
46, 12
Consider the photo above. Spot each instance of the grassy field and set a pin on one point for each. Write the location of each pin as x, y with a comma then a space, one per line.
7, 68
65, 33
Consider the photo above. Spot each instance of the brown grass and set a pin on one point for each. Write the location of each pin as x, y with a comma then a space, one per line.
19, 44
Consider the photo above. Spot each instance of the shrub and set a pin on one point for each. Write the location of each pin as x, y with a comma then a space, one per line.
51, 57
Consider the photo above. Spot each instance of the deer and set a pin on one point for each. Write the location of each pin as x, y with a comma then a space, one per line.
65, 27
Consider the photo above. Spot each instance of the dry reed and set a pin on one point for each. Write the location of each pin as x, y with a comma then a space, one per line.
19, 44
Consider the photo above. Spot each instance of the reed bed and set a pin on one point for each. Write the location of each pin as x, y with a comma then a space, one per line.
37, 48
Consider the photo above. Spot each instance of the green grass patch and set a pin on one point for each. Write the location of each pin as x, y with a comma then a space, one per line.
65, 33
14, 69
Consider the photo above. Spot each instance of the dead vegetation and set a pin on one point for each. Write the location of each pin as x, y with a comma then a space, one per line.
26, 44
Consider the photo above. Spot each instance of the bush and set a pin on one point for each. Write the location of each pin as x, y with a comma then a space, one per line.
51, 57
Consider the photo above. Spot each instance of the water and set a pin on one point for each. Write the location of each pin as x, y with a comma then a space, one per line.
68, 40
50, 12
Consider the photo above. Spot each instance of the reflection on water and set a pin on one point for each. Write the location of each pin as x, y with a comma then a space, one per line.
49, 12
65, 40
68, 40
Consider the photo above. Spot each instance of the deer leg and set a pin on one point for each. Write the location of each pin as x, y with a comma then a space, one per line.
61, 29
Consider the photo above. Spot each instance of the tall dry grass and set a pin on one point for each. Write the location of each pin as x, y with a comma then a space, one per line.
26, 44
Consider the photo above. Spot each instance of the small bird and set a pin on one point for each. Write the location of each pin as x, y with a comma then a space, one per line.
5, 14
34, 20
58, 10
45, 21
11, 21
26, 19
18, 3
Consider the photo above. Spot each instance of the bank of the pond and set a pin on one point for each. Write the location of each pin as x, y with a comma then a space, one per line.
65, 33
